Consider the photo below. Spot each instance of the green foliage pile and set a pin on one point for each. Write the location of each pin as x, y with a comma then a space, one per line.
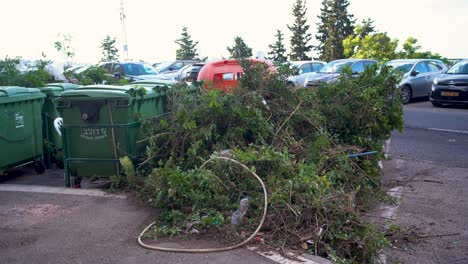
297, 141
10, 75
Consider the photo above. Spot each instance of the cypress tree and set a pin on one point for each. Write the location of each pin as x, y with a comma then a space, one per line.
335, 25
187, 47
277, 49
300, 36
240, 49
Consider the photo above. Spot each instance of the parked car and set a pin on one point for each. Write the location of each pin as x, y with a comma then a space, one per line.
332, 70
73, 71
452, 86
132, 71
187, 73
418, 75
303, 67
191, 74
224, 74
176, 65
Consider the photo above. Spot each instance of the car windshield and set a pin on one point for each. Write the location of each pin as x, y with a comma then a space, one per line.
459, 68
163, 66
138, 69
401, 66
335, 66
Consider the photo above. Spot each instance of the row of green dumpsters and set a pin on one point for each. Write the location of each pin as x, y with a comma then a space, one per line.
85, 129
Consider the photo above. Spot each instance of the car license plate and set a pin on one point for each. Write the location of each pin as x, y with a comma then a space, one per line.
449, 93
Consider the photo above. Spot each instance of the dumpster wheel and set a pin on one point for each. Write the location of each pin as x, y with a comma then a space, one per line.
39, 166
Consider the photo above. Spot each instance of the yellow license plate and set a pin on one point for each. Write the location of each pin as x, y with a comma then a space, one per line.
449, 93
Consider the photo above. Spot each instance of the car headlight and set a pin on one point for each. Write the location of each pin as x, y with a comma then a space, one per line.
435, 81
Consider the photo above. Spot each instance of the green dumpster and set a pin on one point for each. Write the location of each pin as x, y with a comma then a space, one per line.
21, 127
101, 124
52, 140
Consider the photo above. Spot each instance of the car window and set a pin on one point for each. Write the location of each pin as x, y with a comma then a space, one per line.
228, 76
460, 67
421, 67
369, 63
117, 68
177, 65
316, 67
433, 66
137, 69
107, 66
335, 66
358, 67
305, 68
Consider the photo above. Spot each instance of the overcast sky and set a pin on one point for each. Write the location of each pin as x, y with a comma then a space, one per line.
30, 27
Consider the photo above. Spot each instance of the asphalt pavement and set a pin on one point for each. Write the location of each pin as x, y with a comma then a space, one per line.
74, 228
428, 172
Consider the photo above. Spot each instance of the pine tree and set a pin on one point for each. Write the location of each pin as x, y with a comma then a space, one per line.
300, 37
335, 25
187, 48
109, 51
367, 27
277, 49
240, 49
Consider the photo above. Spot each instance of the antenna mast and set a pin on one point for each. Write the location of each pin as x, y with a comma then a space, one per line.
124, 32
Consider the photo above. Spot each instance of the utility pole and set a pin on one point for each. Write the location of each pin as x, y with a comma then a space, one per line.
124, 32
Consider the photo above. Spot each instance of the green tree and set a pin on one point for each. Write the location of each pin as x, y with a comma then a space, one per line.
240, 49
366, 44
366, 27
63, 45
109, 51
187, 47
411, 50
335, 25
277, 49
300, 37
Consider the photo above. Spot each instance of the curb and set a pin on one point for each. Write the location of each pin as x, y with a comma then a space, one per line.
58, 190
302, 259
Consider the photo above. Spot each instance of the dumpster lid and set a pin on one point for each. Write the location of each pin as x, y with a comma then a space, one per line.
59, 87
17, 91
154, 83
103, 91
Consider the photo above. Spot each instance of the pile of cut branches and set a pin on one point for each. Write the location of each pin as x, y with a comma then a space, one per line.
296, 140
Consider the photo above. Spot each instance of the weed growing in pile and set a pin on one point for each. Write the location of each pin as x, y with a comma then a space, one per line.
296, 140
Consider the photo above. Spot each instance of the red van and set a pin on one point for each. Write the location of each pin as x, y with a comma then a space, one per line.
224, 74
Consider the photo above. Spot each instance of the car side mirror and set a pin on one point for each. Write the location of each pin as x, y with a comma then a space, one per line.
117, 75
415, 73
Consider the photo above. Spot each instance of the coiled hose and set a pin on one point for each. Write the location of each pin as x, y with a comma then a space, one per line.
208, 250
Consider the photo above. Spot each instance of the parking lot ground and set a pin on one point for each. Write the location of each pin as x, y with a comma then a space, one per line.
67, 228
430, 219
41, 221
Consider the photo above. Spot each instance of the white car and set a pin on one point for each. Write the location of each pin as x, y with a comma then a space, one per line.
303, 67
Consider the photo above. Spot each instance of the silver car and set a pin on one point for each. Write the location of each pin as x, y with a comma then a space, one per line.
332, 71
418, 75
303, 68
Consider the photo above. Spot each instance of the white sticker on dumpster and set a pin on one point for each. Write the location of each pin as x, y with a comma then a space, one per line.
19, 120
93, 133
